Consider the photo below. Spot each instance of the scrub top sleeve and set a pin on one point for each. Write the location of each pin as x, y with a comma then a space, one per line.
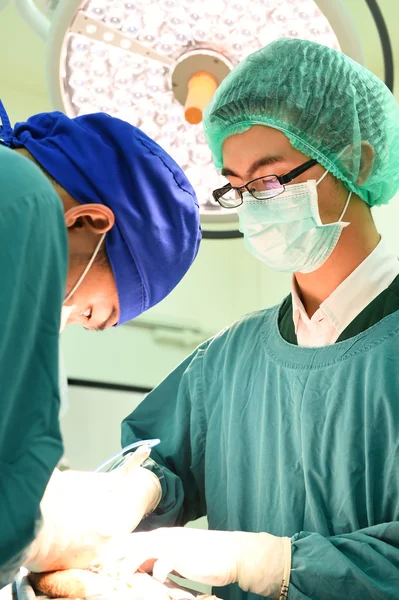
33, 259
174, 413
362, 564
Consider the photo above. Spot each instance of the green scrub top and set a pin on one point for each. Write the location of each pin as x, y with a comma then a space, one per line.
33, 266
262, 435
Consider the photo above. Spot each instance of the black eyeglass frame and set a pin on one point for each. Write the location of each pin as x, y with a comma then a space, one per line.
283, 179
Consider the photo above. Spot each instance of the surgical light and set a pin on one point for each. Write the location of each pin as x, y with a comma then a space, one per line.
141, 60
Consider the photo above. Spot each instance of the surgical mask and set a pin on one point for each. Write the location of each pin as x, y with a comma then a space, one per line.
286, 231
66, 311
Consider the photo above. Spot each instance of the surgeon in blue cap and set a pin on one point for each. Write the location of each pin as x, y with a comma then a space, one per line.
97, 225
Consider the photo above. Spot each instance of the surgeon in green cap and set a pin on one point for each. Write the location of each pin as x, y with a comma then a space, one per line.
284, 428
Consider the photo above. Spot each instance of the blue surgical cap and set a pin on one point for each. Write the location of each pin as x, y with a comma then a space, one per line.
101, 159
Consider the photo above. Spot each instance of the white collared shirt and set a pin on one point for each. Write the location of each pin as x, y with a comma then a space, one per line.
347, 301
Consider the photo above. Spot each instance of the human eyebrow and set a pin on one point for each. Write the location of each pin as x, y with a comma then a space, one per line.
108, 321
261, 162
226, 172
266, 161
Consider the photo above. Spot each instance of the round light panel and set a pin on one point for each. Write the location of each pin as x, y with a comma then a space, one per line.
100, 69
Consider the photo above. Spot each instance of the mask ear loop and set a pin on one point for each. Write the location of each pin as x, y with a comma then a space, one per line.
91, 261
322, 177
345, 207
347, 201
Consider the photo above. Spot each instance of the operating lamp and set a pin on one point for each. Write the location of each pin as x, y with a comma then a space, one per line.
156, 64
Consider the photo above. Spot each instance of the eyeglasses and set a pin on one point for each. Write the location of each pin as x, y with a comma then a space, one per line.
261, 188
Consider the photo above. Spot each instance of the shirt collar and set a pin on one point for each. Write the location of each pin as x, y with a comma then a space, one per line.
360, 288
298, 309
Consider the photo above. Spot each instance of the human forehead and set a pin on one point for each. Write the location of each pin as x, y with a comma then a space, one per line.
258, 148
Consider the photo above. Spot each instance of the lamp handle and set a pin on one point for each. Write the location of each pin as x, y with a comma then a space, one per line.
33, 17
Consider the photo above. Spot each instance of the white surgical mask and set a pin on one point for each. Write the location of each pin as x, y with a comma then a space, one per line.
286, 231
66, 311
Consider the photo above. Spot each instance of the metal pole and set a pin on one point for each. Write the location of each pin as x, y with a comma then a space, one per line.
33, 17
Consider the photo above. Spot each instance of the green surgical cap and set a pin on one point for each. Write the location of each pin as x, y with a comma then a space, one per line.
326, 104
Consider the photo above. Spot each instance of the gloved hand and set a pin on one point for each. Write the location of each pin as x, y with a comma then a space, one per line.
259, 562
83, 512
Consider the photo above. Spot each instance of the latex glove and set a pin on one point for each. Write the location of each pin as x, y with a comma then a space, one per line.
83, 511
259, 562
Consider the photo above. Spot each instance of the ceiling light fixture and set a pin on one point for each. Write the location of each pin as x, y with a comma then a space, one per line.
156, 64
